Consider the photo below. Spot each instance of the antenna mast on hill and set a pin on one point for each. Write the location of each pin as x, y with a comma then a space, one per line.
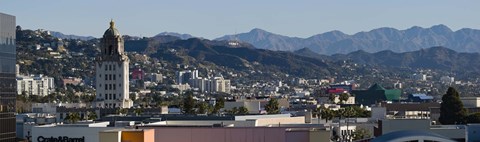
235, 42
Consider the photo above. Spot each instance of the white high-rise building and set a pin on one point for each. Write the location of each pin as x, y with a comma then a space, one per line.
35, 85
218, 84
112, 72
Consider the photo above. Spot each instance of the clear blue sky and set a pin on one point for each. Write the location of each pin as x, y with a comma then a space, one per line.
214, 18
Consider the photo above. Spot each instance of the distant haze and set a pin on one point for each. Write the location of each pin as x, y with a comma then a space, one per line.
215, 18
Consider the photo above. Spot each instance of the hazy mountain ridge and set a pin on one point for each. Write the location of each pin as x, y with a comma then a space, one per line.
414, 38
71, 36
181, 36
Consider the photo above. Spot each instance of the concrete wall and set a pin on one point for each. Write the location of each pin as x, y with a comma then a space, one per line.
297, 136
253, 106
450, 131
473, 132
250, 123
132, 136
110, 136
245, 117
284, 120
470, 101
149, 135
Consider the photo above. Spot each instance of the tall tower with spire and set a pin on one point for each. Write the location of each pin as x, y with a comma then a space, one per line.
112, 72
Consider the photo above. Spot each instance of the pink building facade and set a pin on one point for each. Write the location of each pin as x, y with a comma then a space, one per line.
238, 134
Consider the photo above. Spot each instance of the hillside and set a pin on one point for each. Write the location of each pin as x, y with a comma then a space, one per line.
238, 58
437, 58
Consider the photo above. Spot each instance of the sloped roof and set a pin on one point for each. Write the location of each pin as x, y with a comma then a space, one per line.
376, 87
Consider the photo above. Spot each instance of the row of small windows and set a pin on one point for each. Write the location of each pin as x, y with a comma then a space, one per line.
111, 86
111, 96
110, 76
108, 105
109, 67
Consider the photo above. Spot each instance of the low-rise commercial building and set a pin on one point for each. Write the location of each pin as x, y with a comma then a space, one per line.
81, 132
376, 93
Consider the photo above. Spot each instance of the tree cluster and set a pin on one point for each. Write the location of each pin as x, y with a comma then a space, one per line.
452, 110
351, 111
191, 106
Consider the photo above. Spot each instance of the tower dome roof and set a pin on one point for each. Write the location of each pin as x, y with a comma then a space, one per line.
112, 31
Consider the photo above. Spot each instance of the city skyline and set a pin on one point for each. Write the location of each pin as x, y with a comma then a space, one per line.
212, 19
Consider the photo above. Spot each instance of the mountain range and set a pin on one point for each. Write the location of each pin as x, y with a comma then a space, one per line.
65, 36
337, 42
179, 35
304, 61
334, 42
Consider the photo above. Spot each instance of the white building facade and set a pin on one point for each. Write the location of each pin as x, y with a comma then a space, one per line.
112, 72
35, 85
218, 84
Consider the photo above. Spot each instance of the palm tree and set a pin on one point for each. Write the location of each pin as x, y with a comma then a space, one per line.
332, 97
327, 114
344, 97
138, 111
72, 117
122, 111
242, 110
92, 116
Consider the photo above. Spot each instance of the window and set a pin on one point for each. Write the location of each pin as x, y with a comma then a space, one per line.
120, 95
114, 67
100, 85
110, 67
110, 96
119, 75
110, 86
106, 87
114, 87
106, 77
106, 67
120, 85
114, 96
99, 75
114, 77
106, 97
110, 77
